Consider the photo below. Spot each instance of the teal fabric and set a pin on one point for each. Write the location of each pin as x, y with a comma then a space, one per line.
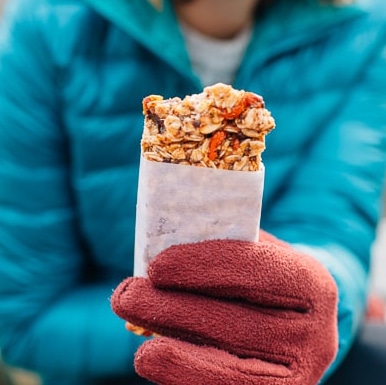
72, 77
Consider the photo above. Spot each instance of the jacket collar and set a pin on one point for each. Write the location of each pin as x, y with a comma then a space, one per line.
155, 27
289, 23
285, 25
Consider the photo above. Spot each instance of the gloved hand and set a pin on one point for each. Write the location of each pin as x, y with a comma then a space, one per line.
233, 312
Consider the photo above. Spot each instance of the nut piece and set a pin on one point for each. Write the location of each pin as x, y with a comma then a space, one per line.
219, 128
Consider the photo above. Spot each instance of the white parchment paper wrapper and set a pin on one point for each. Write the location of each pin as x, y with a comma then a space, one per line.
184, 204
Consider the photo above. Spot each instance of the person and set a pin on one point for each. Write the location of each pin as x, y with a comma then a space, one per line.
72, 78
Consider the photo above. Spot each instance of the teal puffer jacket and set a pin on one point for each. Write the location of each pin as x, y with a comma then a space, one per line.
72, 77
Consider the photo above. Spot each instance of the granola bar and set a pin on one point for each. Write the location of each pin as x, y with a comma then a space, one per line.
221, 128
140, 331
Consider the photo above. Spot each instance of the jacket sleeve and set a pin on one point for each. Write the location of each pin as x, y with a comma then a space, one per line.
333, 202
49, 321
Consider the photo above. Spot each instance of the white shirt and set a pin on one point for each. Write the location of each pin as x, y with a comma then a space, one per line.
215, 60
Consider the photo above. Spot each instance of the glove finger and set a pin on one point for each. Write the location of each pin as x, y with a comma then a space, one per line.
239, 328
166, 361
267, 237
263, 273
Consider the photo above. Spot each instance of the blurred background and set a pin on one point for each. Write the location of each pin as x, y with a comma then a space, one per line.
379, 260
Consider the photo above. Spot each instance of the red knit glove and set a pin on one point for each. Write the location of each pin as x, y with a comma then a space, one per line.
233, 312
